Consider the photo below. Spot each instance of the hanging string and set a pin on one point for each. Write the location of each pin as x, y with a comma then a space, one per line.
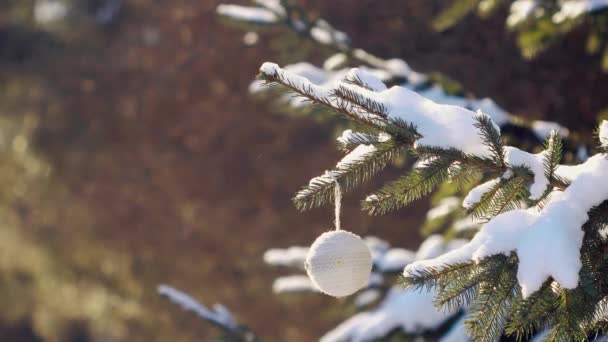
338, 204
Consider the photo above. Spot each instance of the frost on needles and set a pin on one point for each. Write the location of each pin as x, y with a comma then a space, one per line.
538, 260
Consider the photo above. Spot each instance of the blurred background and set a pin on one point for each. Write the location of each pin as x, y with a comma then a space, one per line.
132, 155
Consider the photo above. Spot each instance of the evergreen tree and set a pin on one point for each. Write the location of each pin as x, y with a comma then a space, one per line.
535, 262
550, 254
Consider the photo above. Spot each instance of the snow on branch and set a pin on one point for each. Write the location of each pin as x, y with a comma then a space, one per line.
442, 133
476, 194
457, 333
395, 71
290, 257
443, 208
273, 5
365, 78
547, 241
218, 315
442, 126
603, 133
322, 32
350, 140
249, 14
537, 130
280, 12
409, 311
522, 10
293, 283
533, 162
571, 9
326, 95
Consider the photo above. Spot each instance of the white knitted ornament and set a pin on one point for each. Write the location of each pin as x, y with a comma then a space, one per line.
339, 263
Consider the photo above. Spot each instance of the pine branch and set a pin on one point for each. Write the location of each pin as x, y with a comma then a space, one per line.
578, 309
505, 195
509, 196
365, 103
553, 154
482, 207
295, 18
463, 287
466, 161
354, 139
490, 135
490, 309
218, 315
402, 132
321, 189
306, 91
528, 316
425, 152
432, 277
551, 158
573, 318
416, 184
463, 175
357, 81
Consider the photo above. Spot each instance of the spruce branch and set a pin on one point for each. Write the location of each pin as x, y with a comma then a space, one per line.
432, 277
553, 156
463, 176
354, 139
321, 189
509, 196
489, 311
357, 81
551, 159
482, 207
490, 134
426, 152
528, 316
491, 285
305, 90
416, 184
462, 287
365, 103
217, 315
295, 18
505, 195
402, 132
574, 316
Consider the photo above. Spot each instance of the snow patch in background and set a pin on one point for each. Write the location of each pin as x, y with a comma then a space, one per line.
50, 11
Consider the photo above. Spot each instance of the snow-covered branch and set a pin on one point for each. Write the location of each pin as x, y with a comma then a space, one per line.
544, 241
218, 315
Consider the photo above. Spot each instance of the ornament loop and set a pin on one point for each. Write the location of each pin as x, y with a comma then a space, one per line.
338, 204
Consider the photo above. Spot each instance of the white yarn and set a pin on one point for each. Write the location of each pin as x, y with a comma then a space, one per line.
339, 263
338, 204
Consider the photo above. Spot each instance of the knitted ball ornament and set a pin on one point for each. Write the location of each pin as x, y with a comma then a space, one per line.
339, 263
